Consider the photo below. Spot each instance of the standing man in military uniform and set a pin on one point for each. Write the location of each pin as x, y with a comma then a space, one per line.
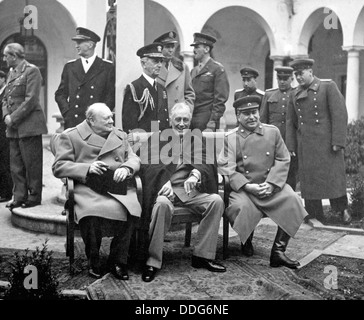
249, 77
145, 100
273, 111
316, 132
85, 81
211, 85
175, 75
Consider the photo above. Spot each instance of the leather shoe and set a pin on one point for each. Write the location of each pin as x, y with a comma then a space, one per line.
4, 199
247, 249
94, 272
198, 262
14, 204
30, 204
120, 271
346, 216
149, 273
279, 259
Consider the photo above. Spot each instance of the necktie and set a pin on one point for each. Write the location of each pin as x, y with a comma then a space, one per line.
86, 61
167, 64
155, 86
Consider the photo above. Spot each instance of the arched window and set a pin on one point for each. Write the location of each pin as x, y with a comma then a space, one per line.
35, 53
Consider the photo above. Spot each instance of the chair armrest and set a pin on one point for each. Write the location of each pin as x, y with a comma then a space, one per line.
139, 188
227, 189
70, 196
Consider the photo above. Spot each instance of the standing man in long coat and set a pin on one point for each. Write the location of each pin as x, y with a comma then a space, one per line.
85, 81
175, 75
211, 85
257, 161
316, 132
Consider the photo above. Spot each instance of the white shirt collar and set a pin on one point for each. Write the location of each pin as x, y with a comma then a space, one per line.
149, 79
90, 61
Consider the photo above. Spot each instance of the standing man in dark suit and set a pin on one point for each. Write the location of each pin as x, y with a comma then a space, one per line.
145, 100
249, 77
175, 75
6, 184
211, 85
25, 122
316, 132
273, 111
85, 81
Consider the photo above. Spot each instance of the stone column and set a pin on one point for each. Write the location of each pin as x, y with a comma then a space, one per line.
129, 38
96, 20
352, 82
277, 62
188, 58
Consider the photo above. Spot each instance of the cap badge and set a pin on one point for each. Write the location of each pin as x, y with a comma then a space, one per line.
159, 48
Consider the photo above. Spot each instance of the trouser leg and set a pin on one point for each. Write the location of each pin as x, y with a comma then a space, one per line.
339, 204
18, 173
314, 208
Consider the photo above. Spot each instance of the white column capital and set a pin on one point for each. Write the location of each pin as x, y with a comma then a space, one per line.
352, 48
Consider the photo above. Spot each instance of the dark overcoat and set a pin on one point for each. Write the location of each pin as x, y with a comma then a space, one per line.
211, 87
317, 120
78, 89
142, 104
21, 102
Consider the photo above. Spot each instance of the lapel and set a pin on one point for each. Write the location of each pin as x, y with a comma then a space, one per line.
205, 69
17, 72
89, 136
113, 141
93, 71
78, 71
172, 74
162, 77
314, 86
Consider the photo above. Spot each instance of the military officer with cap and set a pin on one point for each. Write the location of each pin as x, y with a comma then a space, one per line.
274, 111
145, 100
175, 74
85, 81
211, 85
256, 160
249, 77
316, 132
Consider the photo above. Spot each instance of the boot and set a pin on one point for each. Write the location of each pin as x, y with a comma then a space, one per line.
277, 256
247, 248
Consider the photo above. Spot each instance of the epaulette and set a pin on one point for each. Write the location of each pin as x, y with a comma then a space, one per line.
177, 63
69, 130
260, 92
269, 125
326, 80
73, 60
239, 90
271, 89
231, 131
108, 61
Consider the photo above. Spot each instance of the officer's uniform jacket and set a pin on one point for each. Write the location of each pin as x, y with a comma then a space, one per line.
257, 157
273, 109
78, 89
211, 87
316, 120
177, 81
75, 150
21, 102
143, 104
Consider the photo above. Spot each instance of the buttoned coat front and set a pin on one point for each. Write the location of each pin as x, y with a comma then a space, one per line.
257, 157
211, 87
21, 102
75, 150
316, 121
78, 89
177, 81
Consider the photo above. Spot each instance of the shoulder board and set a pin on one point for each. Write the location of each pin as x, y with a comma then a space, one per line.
239, 90
260, 92
326, 80
269, 90
231, 131
73, 60
269, 125
69, 130
107, 61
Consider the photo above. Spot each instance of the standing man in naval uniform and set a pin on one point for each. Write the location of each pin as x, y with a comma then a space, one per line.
249, 77
85, 81
273, 111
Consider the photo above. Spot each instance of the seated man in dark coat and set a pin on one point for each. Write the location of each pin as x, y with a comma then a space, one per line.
186, 178
92, 149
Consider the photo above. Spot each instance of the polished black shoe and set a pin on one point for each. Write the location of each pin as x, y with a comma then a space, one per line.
14, 204
247, 249
120, 271
279, 259
198, 262
346, 216
149, 273
4, 199
94, 272
30, 204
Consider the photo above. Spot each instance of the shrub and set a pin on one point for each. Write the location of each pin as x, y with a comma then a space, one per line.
357, 197
46, 282
354, 150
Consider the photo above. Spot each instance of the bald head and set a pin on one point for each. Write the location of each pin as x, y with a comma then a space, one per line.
100, 119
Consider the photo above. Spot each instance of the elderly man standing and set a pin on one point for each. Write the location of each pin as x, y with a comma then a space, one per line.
257, 161
274, 111
85, 81
211, 85
316, 132
25, 122
98, 157
145, 100
187, 178
175, 75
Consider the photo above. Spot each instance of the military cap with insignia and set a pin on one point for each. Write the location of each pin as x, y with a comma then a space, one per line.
169, 37
302, 64
153, 50
249, 72
247, 103
201, 38
284, 71
83, 34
